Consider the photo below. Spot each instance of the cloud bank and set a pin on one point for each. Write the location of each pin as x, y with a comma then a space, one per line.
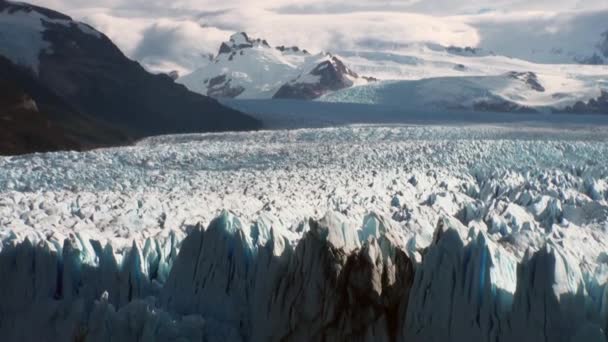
181, 34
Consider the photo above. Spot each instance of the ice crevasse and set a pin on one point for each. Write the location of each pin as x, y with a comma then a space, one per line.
327, 279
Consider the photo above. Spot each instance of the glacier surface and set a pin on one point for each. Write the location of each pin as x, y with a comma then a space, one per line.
389, 233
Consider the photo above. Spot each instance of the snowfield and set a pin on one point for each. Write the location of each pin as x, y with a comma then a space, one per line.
424, 76
409, 233
418, 76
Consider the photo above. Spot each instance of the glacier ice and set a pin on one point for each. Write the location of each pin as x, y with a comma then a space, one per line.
225, 286
353, 233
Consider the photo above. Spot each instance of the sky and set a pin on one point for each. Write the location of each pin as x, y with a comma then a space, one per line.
181, 34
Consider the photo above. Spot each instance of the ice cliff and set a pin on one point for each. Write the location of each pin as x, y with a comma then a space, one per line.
352, 233
334, 281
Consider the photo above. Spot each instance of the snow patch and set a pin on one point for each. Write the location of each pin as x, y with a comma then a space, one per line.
22, 34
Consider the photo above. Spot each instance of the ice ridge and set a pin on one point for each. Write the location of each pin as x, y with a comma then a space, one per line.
334, 281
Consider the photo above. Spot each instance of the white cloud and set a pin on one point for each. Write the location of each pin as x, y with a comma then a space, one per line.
346, 31
181, 43
177, 34
541, 36
433, 7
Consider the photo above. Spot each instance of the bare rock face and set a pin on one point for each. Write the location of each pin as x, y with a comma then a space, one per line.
529, 78
220, 87
330, 75
294, 49
499, 105
603, 45
463, 51
598, 105
240, 41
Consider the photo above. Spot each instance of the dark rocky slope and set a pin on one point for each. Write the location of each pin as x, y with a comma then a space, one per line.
34, 119
85, 72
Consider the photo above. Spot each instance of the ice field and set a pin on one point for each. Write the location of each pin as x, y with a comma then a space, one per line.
408, 233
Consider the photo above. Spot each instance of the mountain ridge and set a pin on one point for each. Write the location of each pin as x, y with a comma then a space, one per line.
248, 67
89, 74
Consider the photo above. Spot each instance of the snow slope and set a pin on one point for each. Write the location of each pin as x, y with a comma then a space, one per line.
251, 68
438, 77
22, 30
405, 233
428, 76
513, 91
424, 60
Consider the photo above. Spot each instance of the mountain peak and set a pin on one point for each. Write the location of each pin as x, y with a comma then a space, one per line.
240, 41
248, 67
240, 38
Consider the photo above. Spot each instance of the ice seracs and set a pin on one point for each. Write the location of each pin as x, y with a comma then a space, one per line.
226, 285
350, 233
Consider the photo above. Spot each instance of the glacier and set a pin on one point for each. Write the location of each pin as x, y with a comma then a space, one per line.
389, 233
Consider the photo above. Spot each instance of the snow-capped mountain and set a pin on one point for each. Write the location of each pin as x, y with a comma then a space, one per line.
247, 68
509, 92
85, 70
418, 75
426, 76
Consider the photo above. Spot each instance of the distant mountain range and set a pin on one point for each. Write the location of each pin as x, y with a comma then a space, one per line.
87, 91
511, 91
419, 76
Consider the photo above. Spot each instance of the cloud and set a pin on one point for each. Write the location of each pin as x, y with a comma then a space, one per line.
431, 7
181, 40
541, 36
160, 44
345, 31
177, 45
180, 34
124, 32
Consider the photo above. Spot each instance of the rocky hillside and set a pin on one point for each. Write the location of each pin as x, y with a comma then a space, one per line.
86, 71
34, 119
